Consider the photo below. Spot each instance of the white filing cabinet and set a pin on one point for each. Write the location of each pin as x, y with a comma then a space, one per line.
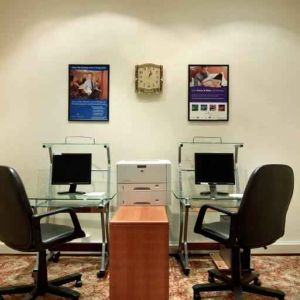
144, 182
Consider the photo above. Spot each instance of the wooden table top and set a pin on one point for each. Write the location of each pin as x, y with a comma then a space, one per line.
140, 214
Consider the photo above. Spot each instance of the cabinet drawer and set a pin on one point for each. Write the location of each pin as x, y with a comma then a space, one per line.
142, 187
142, 198
141, 173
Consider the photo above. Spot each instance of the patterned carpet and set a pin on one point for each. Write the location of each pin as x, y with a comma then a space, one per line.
281, 272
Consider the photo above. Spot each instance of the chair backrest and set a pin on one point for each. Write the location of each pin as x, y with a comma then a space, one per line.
262, 213
15, 211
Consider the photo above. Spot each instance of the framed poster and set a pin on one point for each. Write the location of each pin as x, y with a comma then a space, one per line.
208, 93
88, 92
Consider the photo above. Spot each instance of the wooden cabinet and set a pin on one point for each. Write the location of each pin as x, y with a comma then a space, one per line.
139, 253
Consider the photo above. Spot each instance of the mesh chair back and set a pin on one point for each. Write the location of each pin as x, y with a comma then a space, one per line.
262, 213
15, 211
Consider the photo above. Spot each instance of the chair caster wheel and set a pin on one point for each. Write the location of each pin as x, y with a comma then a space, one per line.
211, 279
187, 272
78, 283
257, 282
197, 297
33, 275
55, 257
100, 274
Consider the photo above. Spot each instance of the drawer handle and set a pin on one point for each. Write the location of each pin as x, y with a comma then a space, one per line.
142, 189
143, 203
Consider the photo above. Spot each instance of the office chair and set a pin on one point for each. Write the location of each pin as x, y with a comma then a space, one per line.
259, 222
21, 230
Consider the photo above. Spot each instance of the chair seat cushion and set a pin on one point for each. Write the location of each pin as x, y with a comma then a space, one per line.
52, 232
220, 230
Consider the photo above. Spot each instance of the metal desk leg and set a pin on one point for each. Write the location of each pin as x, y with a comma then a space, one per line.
106, 227
104, 214
183, 244
180, 228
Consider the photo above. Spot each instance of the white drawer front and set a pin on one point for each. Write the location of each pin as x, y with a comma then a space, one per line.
142, 187
142, 198
141, 173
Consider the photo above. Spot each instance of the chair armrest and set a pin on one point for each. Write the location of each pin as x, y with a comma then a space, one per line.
202, 213
37, 218
52, 212
219, 209
71, 212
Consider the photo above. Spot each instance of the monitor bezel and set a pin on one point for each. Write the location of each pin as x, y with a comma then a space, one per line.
71, 182
214, 182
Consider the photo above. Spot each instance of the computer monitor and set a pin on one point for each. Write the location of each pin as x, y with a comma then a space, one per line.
72, 169
214, 169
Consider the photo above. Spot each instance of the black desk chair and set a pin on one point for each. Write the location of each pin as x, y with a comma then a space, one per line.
23, 231
259, 222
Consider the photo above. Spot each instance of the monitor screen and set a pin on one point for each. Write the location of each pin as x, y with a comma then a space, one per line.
72, 168
214, 168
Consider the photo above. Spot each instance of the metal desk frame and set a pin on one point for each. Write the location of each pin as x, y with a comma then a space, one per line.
184, 202
104, 207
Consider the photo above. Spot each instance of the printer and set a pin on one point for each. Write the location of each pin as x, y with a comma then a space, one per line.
144, 182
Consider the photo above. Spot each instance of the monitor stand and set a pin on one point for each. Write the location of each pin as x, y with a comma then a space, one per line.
213, 192
72, 190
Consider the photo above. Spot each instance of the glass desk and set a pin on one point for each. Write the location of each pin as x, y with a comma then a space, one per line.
189, 198
48, 198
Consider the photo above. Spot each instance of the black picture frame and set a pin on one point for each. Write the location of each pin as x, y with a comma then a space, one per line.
88, 86
208, 92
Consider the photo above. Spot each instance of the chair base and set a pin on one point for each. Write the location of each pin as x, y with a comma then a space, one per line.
226, 284
52, 287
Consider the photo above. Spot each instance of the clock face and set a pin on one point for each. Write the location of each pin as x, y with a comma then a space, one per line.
148, 78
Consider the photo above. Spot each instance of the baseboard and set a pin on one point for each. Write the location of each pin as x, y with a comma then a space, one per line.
280, 248
6, 250
285, 247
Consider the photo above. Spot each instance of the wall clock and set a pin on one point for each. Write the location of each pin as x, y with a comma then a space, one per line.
148, 78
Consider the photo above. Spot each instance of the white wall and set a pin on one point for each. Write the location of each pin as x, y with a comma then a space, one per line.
259, 39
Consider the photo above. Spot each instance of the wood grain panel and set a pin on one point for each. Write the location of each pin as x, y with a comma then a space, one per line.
139, 264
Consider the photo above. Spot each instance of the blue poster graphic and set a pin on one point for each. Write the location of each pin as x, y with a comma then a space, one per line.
208, 94
88, 92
